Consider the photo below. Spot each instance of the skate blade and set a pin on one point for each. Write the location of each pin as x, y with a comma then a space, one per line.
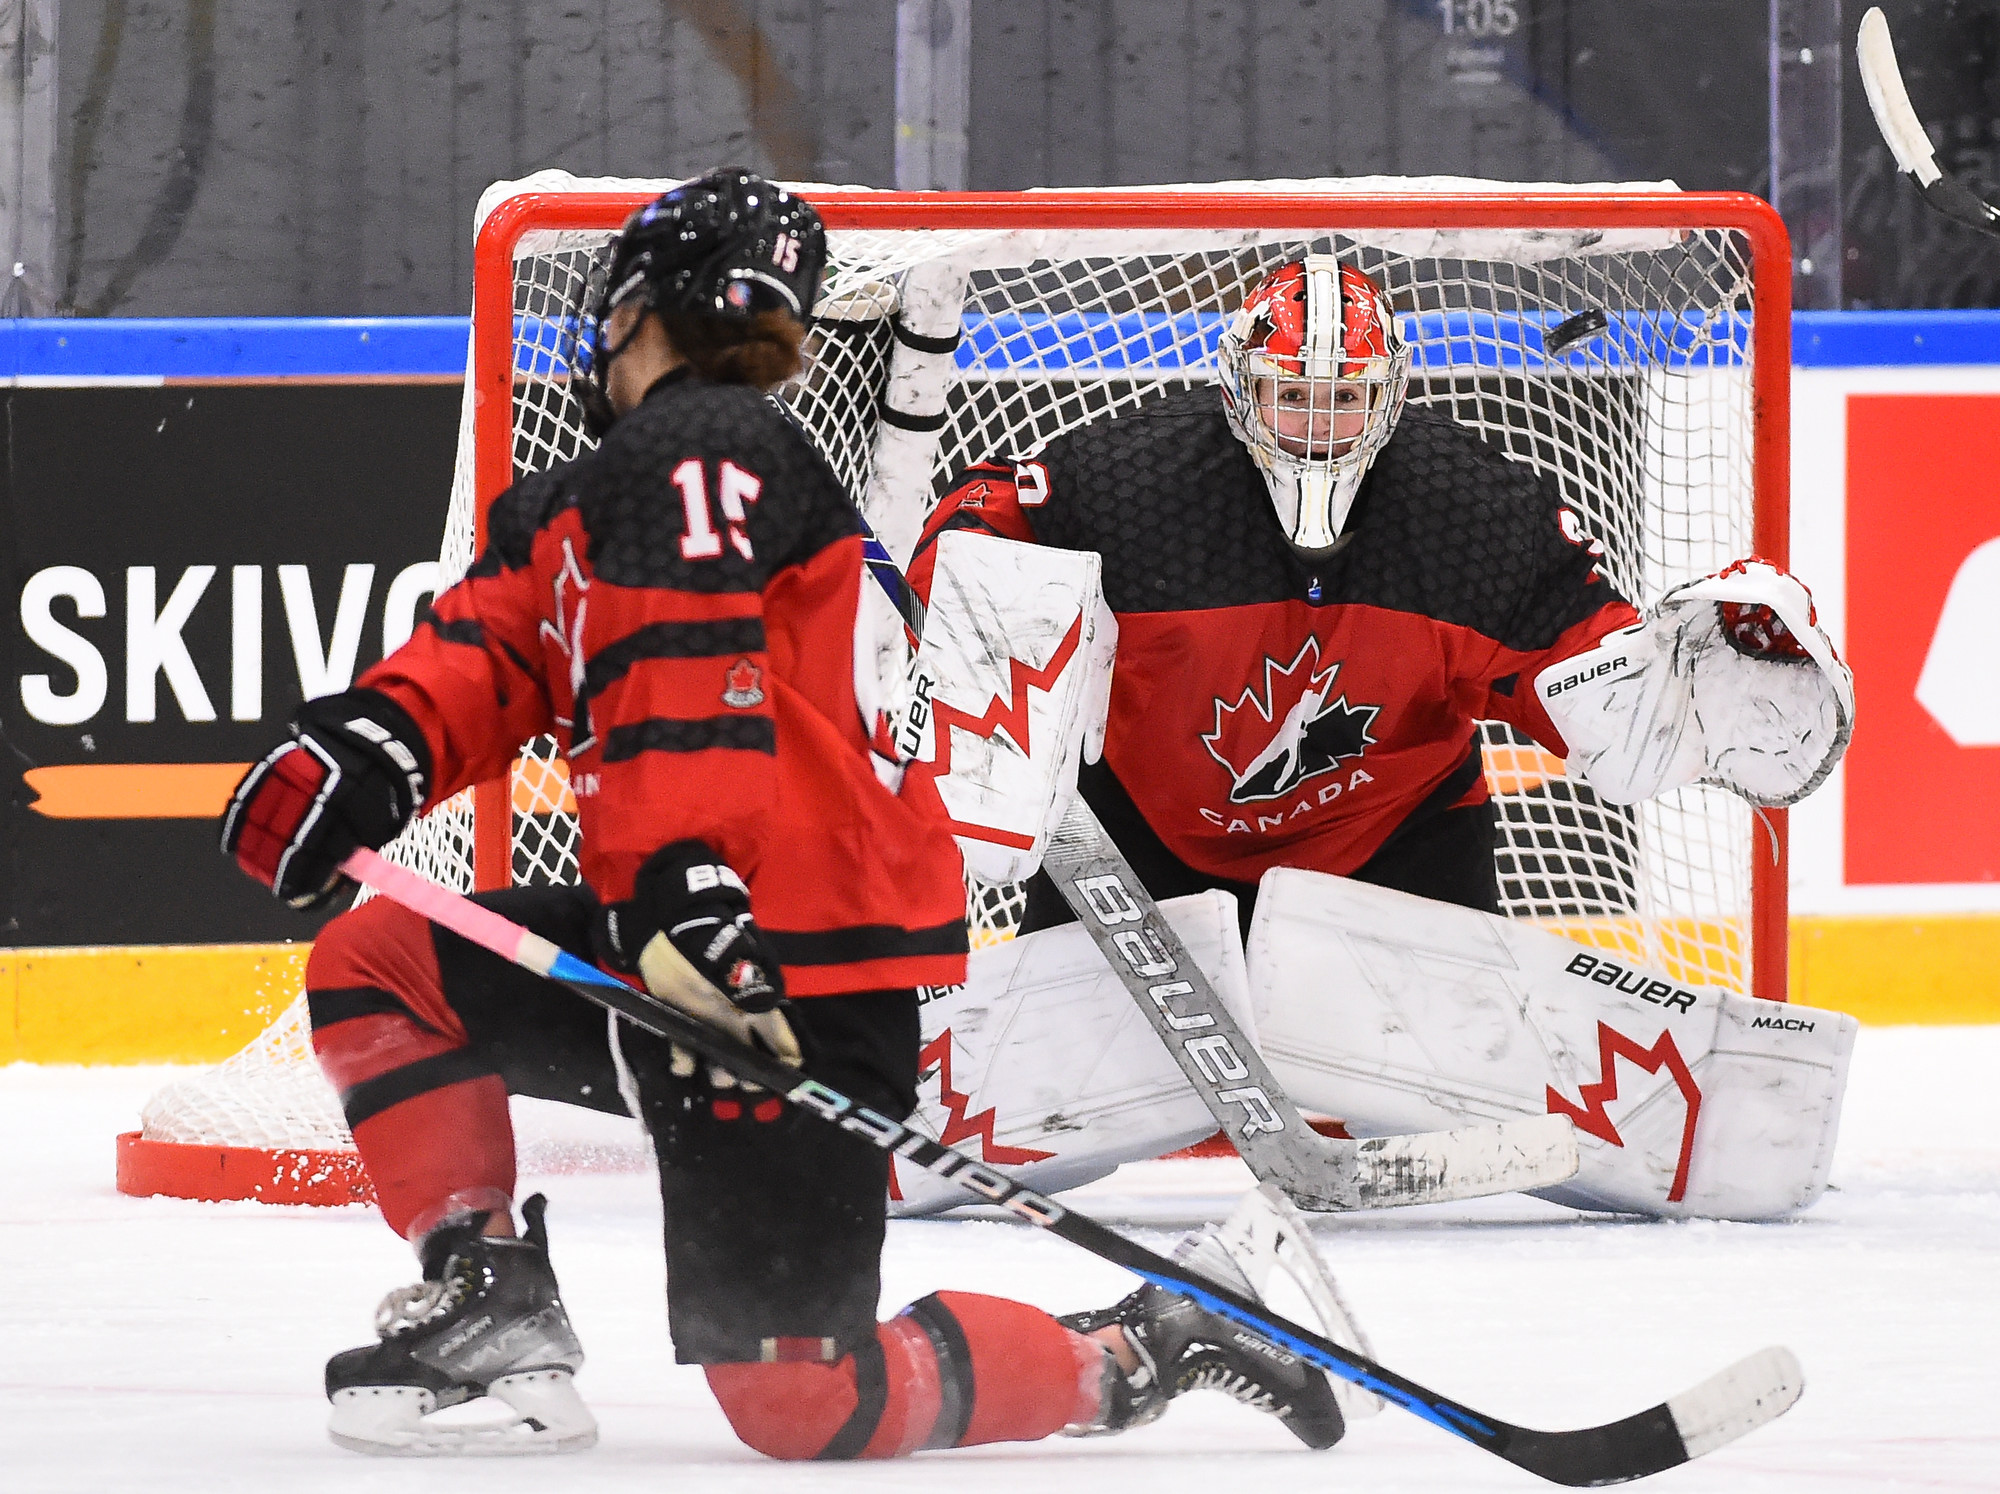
534, 1412
1268, 1239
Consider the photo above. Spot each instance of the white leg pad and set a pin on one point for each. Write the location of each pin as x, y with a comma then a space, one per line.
1041, 1065
1396, 1014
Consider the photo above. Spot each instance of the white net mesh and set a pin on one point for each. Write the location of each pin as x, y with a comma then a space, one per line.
1645, 423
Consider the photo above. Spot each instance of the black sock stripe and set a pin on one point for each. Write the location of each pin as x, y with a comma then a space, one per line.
954, 1359
344, 1003
871, 1398
371, 1097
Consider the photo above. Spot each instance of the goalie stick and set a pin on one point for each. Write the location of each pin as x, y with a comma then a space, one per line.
1904, 133
1714, 1413
1317, 1172
1225, 1069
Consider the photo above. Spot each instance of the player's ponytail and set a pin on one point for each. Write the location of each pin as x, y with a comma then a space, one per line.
763, 352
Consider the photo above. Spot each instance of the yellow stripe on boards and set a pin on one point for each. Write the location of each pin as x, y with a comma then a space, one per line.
163, 1003
200, 1003
1889, 970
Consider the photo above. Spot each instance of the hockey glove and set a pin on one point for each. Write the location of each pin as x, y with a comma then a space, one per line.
351, 773
1755, 629
687, 931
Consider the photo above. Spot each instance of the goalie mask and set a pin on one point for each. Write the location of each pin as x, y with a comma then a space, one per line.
728, 245
1313, 377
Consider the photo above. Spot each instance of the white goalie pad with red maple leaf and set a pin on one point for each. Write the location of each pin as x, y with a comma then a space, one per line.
1396, 1013
1042, 1066
1008, 692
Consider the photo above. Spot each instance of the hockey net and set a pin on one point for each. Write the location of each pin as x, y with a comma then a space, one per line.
1631, 342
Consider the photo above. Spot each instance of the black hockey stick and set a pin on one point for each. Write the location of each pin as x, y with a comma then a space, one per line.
1716, 1412
1904, 133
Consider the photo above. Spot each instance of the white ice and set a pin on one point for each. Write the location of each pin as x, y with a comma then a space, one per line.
158, 1345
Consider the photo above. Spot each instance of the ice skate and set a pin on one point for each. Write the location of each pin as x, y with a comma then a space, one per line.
478, 1359
1183, 1347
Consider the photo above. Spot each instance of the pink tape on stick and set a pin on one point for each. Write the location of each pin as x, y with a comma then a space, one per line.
471, 922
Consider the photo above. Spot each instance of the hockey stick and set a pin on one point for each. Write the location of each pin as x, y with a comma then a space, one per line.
1904, 133
1224, 1067
1238, 1087
1712, 1414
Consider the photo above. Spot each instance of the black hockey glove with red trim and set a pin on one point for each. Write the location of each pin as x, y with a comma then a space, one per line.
352, 772
687, 932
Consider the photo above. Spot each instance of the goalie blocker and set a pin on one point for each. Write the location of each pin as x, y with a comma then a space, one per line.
1007, 694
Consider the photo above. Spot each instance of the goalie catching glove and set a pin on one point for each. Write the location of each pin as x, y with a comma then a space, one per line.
687, 932
352, 773
1729, 682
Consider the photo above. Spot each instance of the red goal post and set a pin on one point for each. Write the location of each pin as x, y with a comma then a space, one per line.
495, 378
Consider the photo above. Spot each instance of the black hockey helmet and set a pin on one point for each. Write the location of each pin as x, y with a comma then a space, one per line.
729, 245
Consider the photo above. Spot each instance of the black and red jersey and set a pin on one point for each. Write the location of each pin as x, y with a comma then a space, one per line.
1271, 711
678, 607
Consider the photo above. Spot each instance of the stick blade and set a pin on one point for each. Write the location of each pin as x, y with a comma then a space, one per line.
1696, 1422
1470, 1162
1738, 1400
1889, 101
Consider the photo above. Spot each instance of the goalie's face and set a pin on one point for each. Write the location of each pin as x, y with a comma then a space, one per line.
1313, 418
1313, 375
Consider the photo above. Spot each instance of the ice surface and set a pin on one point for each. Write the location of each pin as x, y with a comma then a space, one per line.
157, 1345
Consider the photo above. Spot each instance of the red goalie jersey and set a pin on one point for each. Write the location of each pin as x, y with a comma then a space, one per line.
1268, 710
691, 647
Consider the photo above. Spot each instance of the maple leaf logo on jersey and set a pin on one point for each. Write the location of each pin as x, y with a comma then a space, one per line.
744, 685
1292, 730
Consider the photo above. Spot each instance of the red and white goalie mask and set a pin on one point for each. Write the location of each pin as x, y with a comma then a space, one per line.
1313, 376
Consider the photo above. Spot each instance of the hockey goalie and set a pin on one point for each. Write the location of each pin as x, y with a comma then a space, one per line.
1316, 593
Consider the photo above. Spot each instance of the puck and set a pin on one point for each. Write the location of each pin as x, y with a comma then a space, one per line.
1573, 330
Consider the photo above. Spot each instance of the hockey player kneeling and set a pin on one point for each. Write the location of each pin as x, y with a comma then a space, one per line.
1317, 594
679, 608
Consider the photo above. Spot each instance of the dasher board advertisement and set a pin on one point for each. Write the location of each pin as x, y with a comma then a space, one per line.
201, 524
1896, 525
